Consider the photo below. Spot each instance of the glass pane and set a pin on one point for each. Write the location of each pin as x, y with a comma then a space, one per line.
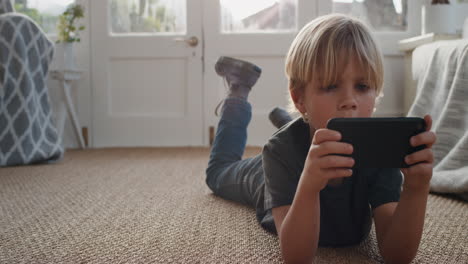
147, 16
381, 15
239, 16
44, 12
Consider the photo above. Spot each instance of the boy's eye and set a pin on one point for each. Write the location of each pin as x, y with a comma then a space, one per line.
329, 88
362, 87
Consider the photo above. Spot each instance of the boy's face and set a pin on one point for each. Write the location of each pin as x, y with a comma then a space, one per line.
350, 96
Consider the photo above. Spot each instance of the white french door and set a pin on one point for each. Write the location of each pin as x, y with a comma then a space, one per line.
148, 88
153, 61
147, 73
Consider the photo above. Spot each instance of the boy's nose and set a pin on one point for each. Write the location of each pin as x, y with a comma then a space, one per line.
348, 102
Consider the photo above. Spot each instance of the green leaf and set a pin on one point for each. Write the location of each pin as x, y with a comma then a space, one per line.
67, 31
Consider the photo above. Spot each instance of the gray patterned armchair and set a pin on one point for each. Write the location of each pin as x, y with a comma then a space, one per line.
27, 132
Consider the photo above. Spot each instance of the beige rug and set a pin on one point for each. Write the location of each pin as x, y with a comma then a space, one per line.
151, 205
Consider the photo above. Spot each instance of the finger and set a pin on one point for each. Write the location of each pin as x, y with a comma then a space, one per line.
337, 173
332, 147
425, 155
418, 169
427, 138
334, 161
428, 120
323, 134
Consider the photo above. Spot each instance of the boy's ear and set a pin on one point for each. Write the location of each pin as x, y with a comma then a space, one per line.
297, 96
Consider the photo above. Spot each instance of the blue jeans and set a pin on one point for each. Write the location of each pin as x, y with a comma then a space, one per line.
228, 175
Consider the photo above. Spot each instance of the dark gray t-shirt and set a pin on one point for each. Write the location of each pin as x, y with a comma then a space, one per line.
345, 210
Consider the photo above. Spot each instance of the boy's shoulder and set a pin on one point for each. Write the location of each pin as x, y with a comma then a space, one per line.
293, 137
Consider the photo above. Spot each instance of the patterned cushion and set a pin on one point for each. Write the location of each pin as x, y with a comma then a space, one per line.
27, 132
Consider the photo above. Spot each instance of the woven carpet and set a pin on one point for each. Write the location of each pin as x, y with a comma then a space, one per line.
151, 205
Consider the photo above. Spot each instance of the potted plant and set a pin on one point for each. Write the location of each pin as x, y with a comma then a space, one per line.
68, 34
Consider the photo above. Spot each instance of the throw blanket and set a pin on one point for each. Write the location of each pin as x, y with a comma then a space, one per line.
27, 132
441, 69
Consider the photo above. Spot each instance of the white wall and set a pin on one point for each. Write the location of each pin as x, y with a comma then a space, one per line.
391, 105
392, 102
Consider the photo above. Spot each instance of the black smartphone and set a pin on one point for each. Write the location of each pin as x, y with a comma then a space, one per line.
379, 142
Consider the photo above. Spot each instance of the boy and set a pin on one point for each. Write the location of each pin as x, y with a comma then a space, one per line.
300, 187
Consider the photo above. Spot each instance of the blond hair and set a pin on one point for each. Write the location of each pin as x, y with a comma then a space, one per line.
319, 47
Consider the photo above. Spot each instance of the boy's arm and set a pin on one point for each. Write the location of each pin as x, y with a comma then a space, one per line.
399, 226
298, 227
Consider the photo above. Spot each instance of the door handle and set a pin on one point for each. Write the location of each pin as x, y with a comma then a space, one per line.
192, 41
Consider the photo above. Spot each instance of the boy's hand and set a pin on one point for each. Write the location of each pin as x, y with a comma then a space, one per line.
418, 176
322, 164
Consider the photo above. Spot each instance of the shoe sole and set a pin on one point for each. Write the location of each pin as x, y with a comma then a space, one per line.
278, 112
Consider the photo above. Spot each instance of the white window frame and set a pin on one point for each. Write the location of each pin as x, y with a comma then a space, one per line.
388, 40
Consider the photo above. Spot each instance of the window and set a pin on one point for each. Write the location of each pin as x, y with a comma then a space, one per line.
239, 16
147, 16
381, 15
43, 12
390, 20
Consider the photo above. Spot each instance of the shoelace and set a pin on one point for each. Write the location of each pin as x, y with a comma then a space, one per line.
222, 101
217, 107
